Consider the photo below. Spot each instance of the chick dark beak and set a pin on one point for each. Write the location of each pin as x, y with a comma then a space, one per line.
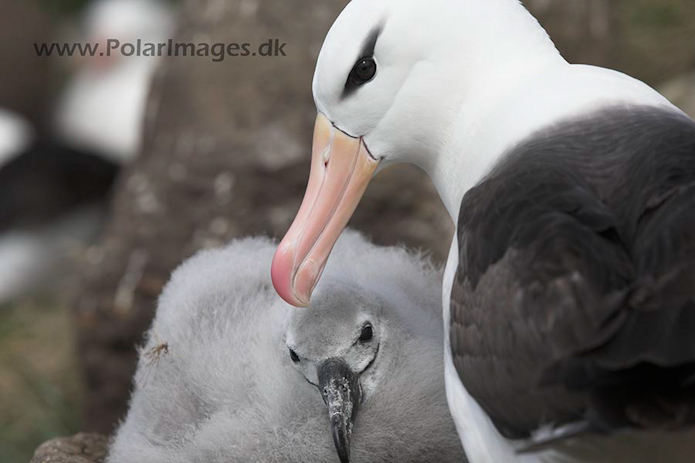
341, 393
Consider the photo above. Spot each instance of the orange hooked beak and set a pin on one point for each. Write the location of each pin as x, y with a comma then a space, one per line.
341, 168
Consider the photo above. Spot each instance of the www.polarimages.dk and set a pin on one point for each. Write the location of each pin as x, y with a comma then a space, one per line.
217, 51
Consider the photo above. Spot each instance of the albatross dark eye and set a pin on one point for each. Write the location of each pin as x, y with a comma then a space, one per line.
367, 333
294, 356
363, 71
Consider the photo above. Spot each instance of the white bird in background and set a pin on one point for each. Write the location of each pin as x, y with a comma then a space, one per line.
231, 373
569, 292
104, 105
52, 200
54, 189
16, 260
16, 134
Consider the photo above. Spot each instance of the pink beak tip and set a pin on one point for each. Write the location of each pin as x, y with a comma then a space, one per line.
281, 273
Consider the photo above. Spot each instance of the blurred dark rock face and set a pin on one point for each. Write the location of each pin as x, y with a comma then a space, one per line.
584, 31
24, 79
226, 155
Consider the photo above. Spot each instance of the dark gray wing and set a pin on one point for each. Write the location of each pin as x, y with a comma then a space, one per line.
575, 293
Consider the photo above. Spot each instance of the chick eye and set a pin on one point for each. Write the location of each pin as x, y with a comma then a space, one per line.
363, 71
294, 356
367, 333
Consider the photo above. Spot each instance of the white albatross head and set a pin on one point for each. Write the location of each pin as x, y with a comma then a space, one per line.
394, 80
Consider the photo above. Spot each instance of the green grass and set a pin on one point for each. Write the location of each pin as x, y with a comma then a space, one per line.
39, 387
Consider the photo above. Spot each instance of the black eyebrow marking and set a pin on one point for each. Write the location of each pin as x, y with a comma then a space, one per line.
370, 43
367, 51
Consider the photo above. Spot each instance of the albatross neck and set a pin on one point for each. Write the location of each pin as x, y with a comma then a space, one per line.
489, 123
490, 52
498, 118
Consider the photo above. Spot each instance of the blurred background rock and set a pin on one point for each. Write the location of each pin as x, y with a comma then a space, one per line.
224, 154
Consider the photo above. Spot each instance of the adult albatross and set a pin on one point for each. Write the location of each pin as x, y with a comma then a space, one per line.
569, 293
